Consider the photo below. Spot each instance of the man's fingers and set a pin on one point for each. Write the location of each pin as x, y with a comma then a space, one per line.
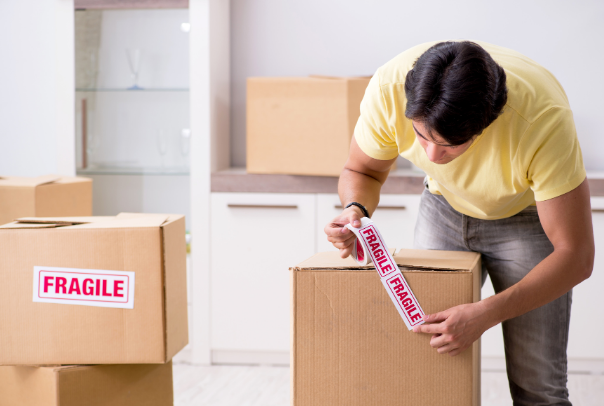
429, 329
445, 349
438, 340
436, 317
344, 238
345, 252
344, 244
354, 219
335, 230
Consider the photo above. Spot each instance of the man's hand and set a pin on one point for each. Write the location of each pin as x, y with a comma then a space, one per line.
341, 237
360, 181
455, 329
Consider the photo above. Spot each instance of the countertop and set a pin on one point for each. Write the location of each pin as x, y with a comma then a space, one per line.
400, 181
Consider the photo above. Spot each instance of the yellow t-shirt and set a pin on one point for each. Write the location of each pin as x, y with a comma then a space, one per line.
530, 152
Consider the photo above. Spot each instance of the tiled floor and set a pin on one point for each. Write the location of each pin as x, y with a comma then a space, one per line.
269, 386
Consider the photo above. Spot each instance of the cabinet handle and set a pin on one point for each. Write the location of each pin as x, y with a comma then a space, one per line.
389, 207
262, 206
597, 210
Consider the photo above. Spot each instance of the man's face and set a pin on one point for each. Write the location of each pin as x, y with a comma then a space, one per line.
437, 149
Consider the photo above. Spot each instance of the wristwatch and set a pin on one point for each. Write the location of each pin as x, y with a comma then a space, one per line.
360, 206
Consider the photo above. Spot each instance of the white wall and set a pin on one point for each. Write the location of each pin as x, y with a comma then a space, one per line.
355, 37
36, 82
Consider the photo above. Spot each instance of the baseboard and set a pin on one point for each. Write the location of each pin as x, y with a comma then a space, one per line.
281, 358
575, 365
230, 357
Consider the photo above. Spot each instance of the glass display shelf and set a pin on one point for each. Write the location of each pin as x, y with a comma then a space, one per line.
133, 171
140, 90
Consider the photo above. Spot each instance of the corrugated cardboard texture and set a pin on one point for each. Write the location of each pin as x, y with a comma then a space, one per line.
350, 346
116, 385
27, 386
175, 252
461, 260
100, 385
47, 333
44, 196
301, 126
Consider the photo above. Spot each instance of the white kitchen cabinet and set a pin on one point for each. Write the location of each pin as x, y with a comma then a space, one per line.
395, 218
255, 238
586, 320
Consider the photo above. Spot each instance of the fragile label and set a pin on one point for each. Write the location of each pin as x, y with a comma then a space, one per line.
370, 243
86, 287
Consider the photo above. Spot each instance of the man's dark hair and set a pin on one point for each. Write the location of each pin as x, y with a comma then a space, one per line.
455, 89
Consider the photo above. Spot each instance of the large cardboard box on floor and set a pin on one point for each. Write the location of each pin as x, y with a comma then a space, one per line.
301, 126
351, 347
93, 290
91, 385
44, 196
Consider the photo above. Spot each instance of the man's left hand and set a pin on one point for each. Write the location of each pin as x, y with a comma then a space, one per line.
455, 329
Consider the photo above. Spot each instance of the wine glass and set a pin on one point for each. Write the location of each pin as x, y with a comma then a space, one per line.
134, 61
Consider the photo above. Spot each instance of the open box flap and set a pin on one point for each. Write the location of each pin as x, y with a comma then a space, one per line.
28, 182
449, 260
456, 260
147, 217
16, 224
331, 260
127, 220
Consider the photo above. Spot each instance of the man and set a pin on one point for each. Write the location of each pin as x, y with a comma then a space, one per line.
494, 132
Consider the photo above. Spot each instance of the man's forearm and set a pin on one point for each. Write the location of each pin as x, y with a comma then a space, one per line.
567, 222
358, 187
550, 279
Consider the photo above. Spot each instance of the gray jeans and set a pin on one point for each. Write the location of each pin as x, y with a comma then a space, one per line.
535, 343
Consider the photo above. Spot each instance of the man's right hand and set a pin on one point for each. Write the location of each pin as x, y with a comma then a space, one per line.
341, 237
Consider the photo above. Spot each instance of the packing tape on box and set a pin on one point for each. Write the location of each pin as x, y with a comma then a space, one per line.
370, 246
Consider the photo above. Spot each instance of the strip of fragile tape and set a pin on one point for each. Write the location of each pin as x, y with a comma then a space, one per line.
371, 247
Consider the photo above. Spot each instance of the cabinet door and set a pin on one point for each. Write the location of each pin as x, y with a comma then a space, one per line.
255, 239
586, 327
395, 218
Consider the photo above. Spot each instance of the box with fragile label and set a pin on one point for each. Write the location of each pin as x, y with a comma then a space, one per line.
44, 196
352, 347
90, 385
301, 126
93, 290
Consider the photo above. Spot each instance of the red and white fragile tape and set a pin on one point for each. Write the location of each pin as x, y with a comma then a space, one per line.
371, 247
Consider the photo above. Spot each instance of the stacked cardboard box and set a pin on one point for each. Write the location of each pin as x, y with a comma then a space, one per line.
93, 290
78, 385
44, 196
301, 126
351, 347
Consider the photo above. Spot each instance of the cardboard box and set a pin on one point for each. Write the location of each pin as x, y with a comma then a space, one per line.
135, 263
44, 196
78, 385
351, 347
301, 126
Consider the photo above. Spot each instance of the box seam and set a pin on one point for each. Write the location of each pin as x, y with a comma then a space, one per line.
163, 292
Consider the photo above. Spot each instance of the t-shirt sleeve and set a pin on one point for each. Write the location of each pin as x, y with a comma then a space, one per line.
373, 132
552, 154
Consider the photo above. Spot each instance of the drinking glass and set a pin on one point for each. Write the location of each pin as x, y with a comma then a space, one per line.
134, 61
